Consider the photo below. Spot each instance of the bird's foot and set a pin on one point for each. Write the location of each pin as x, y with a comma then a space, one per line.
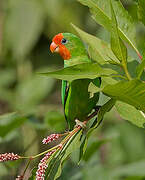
80, 123
97, 108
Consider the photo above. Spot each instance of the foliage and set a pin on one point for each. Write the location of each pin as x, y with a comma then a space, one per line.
112, 151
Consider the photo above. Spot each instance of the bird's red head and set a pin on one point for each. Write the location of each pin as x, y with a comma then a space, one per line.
58, 46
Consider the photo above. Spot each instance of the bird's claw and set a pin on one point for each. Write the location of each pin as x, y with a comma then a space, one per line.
81, 124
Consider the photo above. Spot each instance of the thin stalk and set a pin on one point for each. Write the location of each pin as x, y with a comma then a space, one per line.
119, 76
126, 71
40, 154
26, 167
55, 147
69, 135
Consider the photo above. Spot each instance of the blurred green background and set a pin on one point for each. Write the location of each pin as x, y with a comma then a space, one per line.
116, 149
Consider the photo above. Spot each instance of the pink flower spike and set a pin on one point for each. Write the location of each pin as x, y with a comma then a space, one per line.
42, 166
50, 138
8, 157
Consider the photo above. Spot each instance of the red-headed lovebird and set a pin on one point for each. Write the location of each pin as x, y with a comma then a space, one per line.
77, 101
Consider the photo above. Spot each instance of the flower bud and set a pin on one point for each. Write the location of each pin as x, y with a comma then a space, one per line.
8, 157
50, 138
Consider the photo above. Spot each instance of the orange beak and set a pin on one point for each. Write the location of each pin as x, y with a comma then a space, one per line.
54, 47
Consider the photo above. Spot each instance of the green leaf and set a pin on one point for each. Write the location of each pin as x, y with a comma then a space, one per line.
140, 68
23, 25
28, 96
101, 13
80, 71
93, 148
141, 12
132, 92
83, 148
132, 169
117, 44
99, 50
53, 164
70, 147
56, 162
131, 114
9, 122
102, 111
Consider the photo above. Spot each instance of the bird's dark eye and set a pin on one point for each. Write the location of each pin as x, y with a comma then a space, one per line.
63, 41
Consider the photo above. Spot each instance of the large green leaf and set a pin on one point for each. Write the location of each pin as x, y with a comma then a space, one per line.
70, 147
131, 114
80, 71
28, 96
141, 12
105, 108
91, 149
23, 25
99, 50
9, 122
140, 68
117, 44
101, 13
132, 169
102, 111
57, 160
132, 92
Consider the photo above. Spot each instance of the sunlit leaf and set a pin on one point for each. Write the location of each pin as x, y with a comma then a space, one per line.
99, 50
132, 92
101, 13
131, 114
117, 44
80, 71
141, 12
140, 68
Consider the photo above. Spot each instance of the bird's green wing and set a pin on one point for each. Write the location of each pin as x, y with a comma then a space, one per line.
63, 91
77, 101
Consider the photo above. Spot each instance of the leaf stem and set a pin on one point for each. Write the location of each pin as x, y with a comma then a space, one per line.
126, 71
119, 76
28, 163
40, 154
55, 147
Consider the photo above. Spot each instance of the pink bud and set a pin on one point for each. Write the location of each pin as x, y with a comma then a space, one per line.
42, 166
60, 146
8, 157
50, 138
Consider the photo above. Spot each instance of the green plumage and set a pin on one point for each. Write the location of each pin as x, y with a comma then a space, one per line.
76, 99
